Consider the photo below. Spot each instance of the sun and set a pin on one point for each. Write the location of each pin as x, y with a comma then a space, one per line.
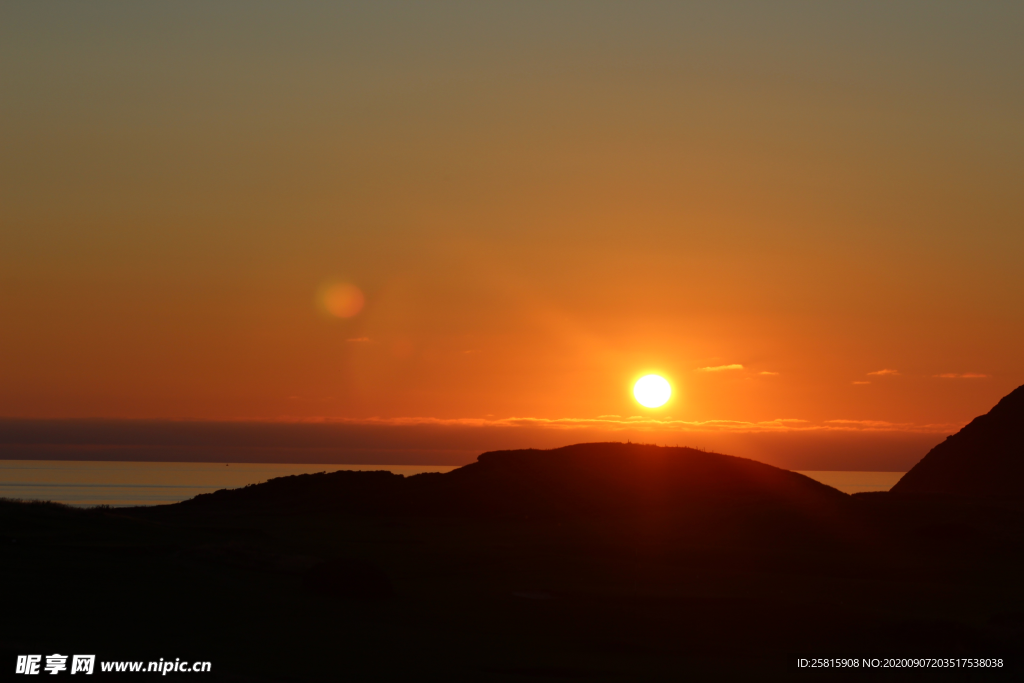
652, 391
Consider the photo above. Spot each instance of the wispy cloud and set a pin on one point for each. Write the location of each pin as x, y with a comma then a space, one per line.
768, 373
633, 422
868, 423
719, 368
886, 371
965, 375
325, 432
860, 382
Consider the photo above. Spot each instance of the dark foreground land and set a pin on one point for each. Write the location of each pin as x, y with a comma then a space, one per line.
696, 567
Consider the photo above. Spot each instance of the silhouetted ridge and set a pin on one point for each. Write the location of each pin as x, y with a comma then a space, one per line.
585, 479
985, 458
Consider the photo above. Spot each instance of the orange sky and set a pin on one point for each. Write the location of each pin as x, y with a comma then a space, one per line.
539, 201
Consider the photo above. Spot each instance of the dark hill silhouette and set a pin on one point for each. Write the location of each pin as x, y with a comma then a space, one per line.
611, 562
985, 458
584, 479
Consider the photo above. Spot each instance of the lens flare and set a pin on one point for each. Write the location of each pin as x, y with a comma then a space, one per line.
342, 300
652, 391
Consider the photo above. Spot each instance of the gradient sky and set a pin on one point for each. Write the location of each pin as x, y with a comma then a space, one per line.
540, 201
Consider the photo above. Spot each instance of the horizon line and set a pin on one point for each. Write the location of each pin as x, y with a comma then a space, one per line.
567, 423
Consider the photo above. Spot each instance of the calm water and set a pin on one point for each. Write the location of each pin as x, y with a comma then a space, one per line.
148, 483
156, 483
857, 482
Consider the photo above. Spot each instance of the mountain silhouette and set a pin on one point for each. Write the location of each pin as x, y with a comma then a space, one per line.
985, 458
580, 480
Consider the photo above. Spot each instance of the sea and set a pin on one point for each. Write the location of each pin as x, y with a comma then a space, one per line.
126, 484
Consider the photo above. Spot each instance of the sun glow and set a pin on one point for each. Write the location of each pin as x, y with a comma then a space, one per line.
652, 391
341, 300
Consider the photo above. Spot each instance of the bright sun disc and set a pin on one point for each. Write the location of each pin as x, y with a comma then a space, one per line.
652, 391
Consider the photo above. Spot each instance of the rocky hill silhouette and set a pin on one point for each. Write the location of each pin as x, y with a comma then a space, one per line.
584, 479
985, 458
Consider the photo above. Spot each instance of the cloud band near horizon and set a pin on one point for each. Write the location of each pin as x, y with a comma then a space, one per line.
791, 443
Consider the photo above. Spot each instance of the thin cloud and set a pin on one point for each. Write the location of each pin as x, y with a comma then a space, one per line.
855, 382
886, 371
651, 424
768, 373
868, 423
966, 375
719, 368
